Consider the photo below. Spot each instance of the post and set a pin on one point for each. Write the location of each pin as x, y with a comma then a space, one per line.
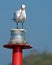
17, 56
17, 52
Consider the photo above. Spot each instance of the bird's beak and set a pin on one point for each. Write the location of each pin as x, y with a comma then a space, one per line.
23, 8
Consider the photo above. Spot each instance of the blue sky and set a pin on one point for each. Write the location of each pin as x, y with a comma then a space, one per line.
38, 25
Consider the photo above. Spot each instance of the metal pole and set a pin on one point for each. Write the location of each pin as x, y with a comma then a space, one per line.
17, 56
17, 52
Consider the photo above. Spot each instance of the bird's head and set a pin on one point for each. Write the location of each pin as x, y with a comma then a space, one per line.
23, 7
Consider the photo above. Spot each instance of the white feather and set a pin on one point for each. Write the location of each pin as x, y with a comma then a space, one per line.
20, 16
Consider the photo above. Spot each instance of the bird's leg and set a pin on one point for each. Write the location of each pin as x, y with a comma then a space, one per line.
17, 25
22, 25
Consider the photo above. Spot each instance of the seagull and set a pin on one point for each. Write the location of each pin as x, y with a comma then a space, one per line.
20, 16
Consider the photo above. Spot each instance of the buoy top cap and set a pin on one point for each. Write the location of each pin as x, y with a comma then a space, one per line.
22, 30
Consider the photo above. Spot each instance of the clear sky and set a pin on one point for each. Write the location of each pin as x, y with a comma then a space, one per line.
38, 25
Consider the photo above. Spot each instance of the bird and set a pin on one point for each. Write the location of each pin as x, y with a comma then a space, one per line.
20, 15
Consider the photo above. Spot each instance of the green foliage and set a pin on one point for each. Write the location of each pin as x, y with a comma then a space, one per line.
39, 59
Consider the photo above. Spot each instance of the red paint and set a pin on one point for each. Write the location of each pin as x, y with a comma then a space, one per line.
17, 52
17, 56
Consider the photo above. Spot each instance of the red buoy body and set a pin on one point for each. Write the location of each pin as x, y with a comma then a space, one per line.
17, 56
17, 52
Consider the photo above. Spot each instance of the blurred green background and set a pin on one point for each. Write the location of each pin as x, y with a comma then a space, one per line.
35, 58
